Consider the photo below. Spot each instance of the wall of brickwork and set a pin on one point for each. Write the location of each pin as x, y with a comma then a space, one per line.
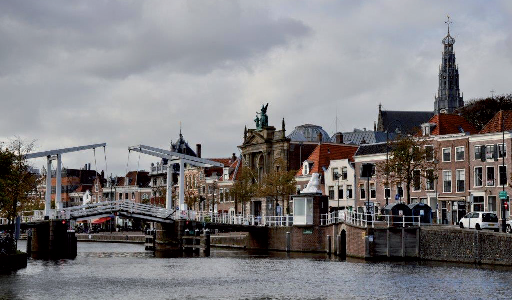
469, 246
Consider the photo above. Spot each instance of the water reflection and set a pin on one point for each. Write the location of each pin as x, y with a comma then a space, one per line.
126, 271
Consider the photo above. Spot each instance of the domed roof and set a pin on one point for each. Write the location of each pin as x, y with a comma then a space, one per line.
308, 133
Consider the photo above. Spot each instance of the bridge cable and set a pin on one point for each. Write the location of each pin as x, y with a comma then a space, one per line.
137, 173
127, 162
96, 174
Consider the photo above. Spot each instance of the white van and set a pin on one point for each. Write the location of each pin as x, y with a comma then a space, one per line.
480, 220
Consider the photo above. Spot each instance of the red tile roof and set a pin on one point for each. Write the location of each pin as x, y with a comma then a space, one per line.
450, 123
495, 124
325, 152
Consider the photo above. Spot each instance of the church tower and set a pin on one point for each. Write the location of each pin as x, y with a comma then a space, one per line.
448, 96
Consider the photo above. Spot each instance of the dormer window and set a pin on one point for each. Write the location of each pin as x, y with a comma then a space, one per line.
226, 173
306, 167
426, 128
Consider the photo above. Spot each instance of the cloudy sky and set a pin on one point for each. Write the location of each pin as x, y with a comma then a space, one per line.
128, 72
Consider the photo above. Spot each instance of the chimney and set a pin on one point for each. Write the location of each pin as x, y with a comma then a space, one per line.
338, 138
233, 158
319, 135
198, 150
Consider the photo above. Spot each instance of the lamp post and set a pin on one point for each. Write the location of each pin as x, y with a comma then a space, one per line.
387, 157
338, 175
503, 220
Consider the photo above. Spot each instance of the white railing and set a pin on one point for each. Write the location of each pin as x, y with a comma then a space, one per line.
224, 218
368, 220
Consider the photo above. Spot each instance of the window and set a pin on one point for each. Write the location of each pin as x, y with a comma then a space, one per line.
372, 191
447, 181
429, 153
491, 203
416, 180
502, 150
459, 153
126, 196
447, 153
400, 190
96, 187
331, 193
490, 176
387, 192
349, 192
335, 173
478, 176
221, 195
478, 203
363, 191
120, 196
133, 196
503, 175
460, 177
430, 180
478, 152
340, 192
489, 152
344, 173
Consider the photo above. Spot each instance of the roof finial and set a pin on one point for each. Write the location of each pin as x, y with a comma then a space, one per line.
180, 129
448, 22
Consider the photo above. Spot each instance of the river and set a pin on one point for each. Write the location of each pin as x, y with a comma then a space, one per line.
126, 271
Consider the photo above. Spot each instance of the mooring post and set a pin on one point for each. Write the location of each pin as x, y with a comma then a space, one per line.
328, 244
207, 243
288, 242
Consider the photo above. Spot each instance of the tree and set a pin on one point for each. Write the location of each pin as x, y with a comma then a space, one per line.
278, 184
409, 159
191, 198
16, 180
244, 188
481, 110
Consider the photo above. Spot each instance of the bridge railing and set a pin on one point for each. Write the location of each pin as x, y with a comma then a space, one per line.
225, 218
368, 220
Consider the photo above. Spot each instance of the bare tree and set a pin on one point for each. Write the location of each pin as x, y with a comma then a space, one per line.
278, 184
409, 160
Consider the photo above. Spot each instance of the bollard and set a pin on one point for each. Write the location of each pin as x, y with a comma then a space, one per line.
207, 243
328, 244
288, 242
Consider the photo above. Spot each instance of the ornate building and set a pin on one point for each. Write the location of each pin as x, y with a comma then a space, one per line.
448, 97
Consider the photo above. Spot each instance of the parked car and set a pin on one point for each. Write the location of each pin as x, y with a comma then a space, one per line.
480, 220
509, 226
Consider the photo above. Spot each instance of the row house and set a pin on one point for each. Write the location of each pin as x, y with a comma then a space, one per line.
332, 162
446, 189
134, 187
208, 189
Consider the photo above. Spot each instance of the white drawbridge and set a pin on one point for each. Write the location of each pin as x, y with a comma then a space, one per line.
182, 159
57, 155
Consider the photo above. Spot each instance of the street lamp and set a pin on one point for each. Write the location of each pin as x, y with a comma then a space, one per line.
503, 198
387, 156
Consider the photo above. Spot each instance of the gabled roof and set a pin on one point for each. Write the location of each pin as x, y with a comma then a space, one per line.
324, 153
450, 124
371, 149
495, 124
408, 121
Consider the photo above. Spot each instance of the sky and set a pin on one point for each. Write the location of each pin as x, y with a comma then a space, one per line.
129, 72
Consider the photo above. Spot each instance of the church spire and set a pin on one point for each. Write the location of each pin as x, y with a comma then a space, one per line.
448, 97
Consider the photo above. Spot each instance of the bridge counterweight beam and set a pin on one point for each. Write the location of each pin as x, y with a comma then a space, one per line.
182, 186
48, 195
58, 183
168, 196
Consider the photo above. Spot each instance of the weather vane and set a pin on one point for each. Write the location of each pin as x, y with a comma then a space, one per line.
448, 22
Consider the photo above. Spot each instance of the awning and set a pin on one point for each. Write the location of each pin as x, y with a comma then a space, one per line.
100, 220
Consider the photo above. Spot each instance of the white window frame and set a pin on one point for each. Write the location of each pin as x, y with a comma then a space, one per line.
451, 181
374, 190
362, 187
463, 153
450, 152
474, 176
433, 155
504, 148
487, 173
427, 180
457, 172
474, 152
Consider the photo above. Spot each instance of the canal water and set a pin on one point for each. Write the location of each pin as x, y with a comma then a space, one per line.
126, 271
